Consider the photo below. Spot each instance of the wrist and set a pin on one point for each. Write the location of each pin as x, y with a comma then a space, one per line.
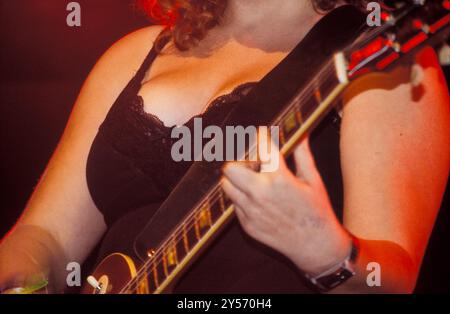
30, 256
328, 252
338, 274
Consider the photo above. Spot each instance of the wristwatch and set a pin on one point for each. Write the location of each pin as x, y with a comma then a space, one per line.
338, 274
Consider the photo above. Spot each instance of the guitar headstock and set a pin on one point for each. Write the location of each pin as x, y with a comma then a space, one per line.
405, 30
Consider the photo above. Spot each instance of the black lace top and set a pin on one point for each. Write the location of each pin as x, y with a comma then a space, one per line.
130, 166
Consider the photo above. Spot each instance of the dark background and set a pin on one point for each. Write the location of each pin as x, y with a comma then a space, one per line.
43, 64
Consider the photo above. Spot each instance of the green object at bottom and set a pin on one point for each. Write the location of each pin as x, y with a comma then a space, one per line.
30, 289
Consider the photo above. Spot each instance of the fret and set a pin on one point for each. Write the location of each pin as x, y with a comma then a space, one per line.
160, 269
328, 85
290, 123
197, 228
150, 278
155, 275
171, 254
307, 107
310, 103
185, 239
315, 96
164, 264
191, 234
216, 207
222, 201
202, 220
143, 286
204, 216
316, 89
298, 115
318, 95
180, 246
282, 136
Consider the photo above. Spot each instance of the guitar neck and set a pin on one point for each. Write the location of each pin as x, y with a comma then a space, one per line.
206, 220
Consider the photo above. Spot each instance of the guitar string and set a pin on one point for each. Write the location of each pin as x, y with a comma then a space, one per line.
157, 258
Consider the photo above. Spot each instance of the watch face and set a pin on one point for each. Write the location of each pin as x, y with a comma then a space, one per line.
335, 279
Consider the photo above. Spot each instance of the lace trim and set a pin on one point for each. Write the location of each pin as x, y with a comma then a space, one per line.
236, 94
143, 138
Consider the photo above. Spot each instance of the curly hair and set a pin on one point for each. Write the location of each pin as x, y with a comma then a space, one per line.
188, 21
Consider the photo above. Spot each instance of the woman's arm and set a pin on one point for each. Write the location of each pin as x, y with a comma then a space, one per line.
395, 161
61, 224
395, 152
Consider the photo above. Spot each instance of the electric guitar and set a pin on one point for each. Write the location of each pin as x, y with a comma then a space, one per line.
295, 96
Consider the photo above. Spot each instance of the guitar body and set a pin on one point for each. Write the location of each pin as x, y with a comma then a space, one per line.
112, 274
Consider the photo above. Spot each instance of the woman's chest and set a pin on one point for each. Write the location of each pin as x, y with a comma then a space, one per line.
179, 87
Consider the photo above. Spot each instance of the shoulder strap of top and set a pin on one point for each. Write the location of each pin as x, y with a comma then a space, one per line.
135, 83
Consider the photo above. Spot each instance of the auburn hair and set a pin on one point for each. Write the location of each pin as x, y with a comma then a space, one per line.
188, 21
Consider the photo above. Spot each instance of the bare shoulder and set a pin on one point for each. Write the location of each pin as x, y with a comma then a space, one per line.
395, 149
412, 96
405, 111
123, 58
111, 74
131, 49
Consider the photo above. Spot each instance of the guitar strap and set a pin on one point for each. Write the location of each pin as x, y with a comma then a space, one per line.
258, 108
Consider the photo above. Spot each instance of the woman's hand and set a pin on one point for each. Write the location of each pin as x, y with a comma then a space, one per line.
30, 262
19, 271
290, 213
